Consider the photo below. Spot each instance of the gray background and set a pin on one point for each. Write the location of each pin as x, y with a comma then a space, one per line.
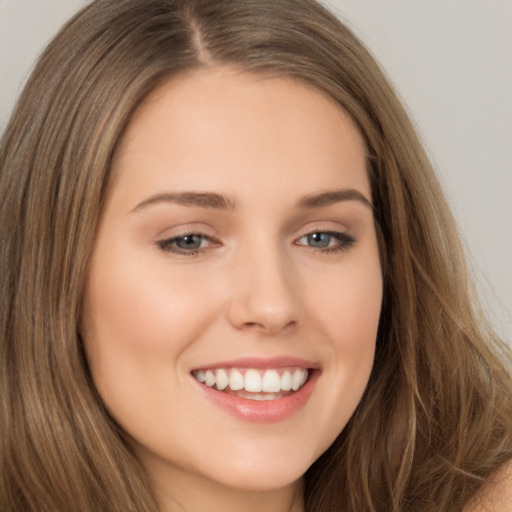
451, 60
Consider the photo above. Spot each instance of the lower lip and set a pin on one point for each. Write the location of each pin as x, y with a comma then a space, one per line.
265, 411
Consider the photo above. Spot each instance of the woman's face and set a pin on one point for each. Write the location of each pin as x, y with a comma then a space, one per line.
235, 288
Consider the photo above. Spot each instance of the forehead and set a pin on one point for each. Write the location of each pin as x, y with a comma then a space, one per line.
221, 123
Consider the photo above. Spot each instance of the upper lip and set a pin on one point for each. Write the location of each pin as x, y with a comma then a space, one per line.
262, 363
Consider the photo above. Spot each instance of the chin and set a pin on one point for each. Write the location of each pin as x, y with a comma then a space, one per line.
263, 471
262, 479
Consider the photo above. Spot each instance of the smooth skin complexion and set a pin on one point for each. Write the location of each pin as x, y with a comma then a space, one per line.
237, 238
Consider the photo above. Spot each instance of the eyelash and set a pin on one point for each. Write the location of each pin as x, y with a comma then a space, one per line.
170, 244
345, 242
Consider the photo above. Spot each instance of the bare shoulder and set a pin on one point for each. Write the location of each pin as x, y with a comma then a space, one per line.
495, 495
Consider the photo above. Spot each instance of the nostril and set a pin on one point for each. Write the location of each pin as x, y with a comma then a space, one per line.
269, 327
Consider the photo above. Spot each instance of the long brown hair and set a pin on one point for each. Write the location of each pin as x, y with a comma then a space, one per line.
436, 418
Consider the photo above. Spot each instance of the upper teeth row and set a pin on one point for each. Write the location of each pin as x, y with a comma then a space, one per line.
252, 380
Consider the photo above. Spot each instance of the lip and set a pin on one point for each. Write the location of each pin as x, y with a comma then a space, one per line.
260, 363
268, 411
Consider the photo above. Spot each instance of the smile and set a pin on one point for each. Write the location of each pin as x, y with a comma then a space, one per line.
252, 383
258, 390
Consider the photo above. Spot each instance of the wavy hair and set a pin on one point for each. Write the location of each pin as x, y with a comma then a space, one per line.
436, 418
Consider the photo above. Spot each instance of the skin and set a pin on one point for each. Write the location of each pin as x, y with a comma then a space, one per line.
495, 494
257, 286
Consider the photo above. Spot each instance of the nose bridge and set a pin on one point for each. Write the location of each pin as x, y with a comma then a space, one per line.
264, 294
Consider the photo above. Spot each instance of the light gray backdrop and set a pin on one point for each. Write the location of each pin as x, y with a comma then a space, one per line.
451, 62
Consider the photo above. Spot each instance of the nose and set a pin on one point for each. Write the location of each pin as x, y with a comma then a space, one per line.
264, 295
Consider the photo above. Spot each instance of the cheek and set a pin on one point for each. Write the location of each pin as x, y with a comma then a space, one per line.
349, 307
143, 306
355, 319
347, 316
138, 320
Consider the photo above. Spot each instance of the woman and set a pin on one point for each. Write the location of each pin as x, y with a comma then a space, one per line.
230, 279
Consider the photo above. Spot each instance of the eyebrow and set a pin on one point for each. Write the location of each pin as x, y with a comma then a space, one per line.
332, 197
198, 199
212, 200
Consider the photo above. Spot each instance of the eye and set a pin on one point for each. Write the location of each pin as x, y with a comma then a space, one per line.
189, 244
327, 241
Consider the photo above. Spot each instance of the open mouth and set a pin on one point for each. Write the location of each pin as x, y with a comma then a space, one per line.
254, 384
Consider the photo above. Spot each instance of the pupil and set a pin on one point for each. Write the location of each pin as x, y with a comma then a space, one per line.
189, 242
319, 239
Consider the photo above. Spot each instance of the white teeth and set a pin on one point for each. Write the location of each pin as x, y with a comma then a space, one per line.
298, 378
209, 378
236, 380
222, 379
271, 382
253, 380
286, 381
